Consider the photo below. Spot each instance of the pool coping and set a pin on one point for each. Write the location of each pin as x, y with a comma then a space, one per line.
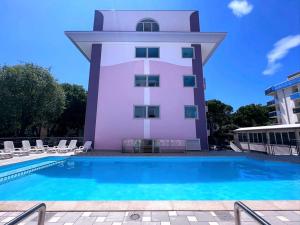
55, 206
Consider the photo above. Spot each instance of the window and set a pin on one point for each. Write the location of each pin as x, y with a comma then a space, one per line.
240, 137
264, 136
189, 81
259, 137
139, 111
140, 81
245, 138
147, 25
251, 137
141, 52
191, 112
292, 136
294, 89
153, 111
153, 81
272, 138
187, 52
278, 138
255, 138
146, 81
146, 111
285, 138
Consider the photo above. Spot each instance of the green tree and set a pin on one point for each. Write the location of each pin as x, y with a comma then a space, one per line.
31, 99
71, 121
219, 119
252, 115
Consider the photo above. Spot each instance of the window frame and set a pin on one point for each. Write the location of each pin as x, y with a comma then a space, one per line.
197, 113
190, 75
146, 106
147, 79
147, 57
150, 21
188, 57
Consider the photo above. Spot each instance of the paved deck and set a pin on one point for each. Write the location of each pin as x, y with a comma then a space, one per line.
155, 218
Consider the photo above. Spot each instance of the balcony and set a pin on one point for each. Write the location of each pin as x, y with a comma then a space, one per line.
296, 110
271, 103
295, 96
273, 114
270, 91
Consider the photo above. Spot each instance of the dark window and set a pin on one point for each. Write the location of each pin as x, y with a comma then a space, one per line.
187, 52
147, 25
153, 81
189, 81
139, 111
140, 81
191, 112
153, 111
255, 138
272, 138
245, 138
153, 52
259, 137
251, 137
264, 136
278, 138
292, 138
141, 52
285, 138
240, 137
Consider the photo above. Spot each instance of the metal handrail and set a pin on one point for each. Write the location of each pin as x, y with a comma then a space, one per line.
40, 208
237, 214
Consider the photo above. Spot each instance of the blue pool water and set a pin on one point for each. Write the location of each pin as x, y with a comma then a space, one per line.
155, 178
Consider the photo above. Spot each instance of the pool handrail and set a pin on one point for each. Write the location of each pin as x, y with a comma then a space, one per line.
237, 214
40, 208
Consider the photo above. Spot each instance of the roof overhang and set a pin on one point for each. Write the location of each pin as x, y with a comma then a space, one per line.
84, 40
272, 127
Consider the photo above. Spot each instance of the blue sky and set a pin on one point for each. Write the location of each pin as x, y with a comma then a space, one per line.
33, 31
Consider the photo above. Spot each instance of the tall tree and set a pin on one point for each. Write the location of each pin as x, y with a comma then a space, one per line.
31, 99
252, 115
71, 121
219, 118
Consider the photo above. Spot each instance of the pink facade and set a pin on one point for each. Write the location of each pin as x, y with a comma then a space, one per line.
113, 96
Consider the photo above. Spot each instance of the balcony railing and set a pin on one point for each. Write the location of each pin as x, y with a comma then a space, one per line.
295, 96
271, 103
270, 91
273, 114
296, 110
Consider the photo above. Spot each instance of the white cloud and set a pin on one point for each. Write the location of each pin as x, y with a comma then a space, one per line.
240, 7
280, 50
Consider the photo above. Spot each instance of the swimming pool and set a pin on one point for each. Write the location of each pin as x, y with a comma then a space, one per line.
155, 178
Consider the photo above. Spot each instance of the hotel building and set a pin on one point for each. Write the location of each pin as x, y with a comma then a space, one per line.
146, 78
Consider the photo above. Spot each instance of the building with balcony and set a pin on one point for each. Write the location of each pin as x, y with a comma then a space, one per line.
146, 84
286, 100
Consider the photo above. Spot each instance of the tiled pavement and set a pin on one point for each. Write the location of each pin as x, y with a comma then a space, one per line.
155, 218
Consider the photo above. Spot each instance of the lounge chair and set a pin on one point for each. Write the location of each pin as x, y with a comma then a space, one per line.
33, 149
85, 148
61, 145
39, 144
10, 148
72, 146
5, 155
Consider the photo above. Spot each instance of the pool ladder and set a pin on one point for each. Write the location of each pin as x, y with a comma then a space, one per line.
13, 176
238, 206
40, 208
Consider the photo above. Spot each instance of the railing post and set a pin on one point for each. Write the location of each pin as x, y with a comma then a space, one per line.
41, 216
237, 214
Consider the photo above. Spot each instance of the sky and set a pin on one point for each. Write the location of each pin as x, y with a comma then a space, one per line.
262, 46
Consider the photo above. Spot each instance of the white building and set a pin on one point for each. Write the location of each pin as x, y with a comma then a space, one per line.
286, 100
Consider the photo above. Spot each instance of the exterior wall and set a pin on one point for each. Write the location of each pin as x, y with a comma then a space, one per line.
117, 95
127, 20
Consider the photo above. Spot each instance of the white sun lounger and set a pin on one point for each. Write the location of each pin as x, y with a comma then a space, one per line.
61, 145
86, 147
10, 148
72, 145
33, 149
5, 155
39, 144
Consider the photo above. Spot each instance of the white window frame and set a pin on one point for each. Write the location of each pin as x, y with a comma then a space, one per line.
193, 52
197, 113
147, 116
190, 75
147, 57
147, 79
